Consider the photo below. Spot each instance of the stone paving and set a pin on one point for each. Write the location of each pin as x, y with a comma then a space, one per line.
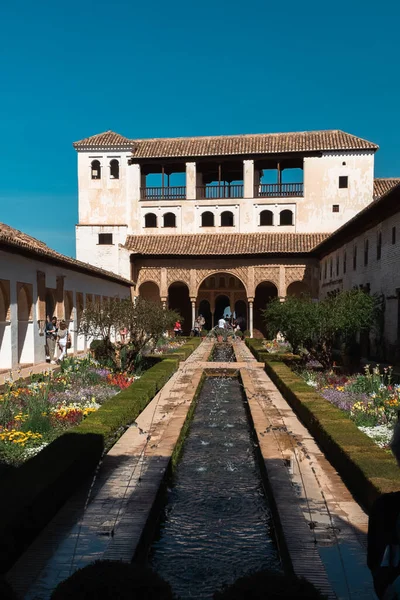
323, 527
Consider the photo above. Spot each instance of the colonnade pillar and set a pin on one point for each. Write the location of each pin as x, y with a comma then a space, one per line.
250, 301
193, 301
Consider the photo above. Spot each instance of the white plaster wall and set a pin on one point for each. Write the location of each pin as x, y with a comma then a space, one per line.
383, 276
89, 250
321, 189
103, 201
16, 268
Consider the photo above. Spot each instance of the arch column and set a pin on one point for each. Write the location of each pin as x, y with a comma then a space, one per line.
250, 301
164, 300
193, 301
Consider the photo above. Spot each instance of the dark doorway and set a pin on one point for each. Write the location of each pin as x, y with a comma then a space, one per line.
265, 292
205, 310
222, 307
179, 300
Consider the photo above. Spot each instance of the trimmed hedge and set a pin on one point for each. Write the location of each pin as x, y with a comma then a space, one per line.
34, 492
367, 470
262, 355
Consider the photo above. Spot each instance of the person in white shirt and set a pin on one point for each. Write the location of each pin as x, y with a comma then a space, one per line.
222, 323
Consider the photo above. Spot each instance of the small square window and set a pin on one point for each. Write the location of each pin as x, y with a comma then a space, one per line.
335, 208
105, 239
343, 181
393, 235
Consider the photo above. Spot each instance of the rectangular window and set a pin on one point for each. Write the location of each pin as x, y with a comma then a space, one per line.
366, 248
326, 269
337, 266
335, 207
343, 181
393, 235
330, 269
379, 246
344, 263
355, 258
105, 239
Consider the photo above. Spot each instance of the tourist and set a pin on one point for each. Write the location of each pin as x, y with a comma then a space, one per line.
202, 321
51, 336
222, 323
384, 537
63, 337
196, 327
178, 328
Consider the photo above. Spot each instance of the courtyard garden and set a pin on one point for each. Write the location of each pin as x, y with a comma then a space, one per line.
33, 413
320, 342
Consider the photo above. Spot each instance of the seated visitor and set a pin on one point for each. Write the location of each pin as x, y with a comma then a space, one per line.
178, 328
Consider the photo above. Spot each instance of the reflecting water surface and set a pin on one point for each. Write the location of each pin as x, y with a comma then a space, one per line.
216, 522
223, 352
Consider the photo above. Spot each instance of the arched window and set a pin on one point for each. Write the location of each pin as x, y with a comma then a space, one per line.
266, 217
114, 169
227, 219
169, 220
96, 169
150, 220
286, 217
207, 219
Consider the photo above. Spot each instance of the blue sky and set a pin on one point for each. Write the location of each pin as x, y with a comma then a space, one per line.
154, 69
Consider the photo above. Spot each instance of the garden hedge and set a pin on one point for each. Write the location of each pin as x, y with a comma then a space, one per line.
261, 354
35, 491
367, 470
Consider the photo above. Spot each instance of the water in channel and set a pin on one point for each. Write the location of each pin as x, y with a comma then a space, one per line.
223, 353
216, 525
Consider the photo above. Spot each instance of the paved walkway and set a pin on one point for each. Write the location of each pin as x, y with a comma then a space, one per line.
323, 526
122, 495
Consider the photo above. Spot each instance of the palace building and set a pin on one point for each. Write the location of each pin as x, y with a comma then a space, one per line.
221, 223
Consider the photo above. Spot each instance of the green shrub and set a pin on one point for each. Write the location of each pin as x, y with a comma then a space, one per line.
113, 580
266, 584
367, 469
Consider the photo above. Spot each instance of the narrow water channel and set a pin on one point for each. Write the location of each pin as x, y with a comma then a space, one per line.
223, 353
216, 524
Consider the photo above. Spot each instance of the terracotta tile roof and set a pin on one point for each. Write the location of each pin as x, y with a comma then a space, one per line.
228, 244
14, 239
262, 143
108, 139
383, 185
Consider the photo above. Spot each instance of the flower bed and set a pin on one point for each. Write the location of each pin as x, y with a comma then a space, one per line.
35, 413
371, 399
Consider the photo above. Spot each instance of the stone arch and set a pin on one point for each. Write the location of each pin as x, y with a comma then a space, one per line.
179, 300
4, 302
205, 310
150, 220
169, 219
114, 169
24, 303
25, 325
214, 273
266, 217
264, 293
50, 303
149, 290
207, 219
95, 168
297, 288
286, 217
227, 219
68, 307
5, 326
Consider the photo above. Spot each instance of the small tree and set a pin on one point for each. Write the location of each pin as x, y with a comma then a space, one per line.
295, 319
317, 325
144, 320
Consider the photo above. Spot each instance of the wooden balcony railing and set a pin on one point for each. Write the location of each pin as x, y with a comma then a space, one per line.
278, 190
163, 193
223, 190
